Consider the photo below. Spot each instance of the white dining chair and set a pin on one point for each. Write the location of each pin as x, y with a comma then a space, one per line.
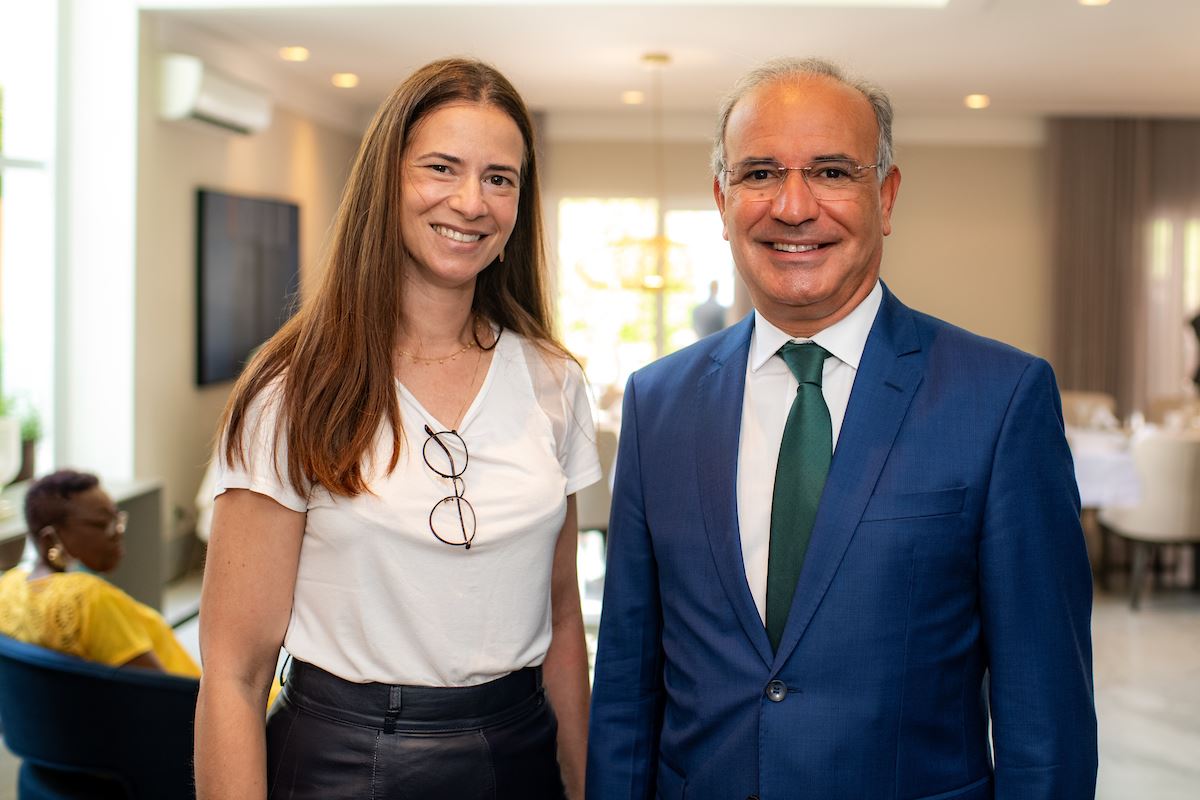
592, 503
1168, 465
592, 506
1173, 411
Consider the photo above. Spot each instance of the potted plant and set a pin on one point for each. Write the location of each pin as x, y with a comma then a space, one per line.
10, 450
20, 430
31, 433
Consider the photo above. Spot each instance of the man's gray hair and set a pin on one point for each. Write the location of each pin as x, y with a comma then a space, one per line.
781, 70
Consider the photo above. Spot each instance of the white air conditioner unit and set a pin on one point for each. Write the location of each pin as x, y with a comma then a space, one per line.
190, 90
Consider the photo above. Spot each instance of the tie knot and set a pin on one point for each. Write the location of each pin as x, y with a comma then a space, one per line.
805, 360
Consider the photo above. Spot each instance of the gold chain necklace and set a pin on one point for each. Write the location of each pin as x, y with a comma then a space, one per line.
458, 421
436, 359
442, 359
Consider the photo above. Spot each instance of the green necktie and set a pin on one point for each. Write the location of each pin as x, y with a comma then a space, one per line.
804, 456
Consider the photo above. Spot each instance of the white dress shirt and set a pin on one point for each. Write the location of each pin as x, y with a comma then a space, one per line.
770, 389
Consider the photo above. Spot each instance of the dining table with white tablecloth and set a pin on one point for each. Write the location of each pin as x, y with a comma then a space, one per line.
1104, 467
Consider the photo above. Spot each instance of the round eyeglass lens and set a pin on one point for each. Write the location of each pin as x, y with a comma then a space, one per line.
452, 520
446, 454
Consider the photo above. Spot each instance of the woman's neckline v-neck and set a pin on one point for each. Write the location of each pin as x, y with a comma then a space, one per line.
472, 407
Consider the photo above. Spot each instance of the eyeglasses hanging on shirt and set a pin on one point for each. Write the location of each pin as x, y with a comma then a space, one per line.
452, 519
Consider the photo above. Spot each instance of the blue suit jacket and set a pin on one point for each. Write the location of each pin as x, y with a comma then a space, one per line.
946, 585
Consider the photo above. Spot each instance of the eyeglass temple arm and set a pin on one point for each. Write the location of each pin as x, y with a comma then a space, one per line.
446, 450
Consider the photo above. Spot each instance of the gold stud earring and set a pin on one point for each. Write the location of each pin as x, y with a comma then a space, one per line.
56, 556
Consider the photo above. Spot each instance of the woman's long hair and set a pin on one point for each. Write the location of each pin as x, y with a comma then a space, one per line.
336, 353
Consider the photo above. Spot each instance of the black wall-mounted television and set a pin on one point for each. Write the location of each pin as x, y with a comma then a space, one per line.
248, 278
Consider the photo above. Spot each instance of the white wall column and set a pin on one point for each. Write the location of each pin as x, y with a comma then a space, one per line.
97, 178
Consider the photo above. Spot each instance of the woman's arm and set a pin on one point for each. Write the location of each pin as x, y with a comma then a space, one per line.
565, 672
245, 605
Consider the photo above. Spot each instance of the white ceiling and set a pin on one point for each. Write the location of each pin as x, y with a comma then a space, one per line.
1034, 57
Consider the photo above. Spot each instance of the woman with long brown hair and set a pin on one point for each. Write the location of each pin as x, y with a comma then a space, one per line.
395, 495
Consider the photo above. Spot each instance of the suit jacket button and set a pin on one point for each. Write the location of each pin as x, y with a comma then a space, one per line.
776, 691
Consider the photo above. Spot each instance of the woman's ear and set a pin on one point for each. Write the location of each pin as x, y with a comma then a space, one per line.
51, 547
46, 537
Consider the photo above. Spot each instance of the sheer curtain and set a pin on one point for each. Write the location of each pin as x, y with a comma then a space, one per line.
1173, 265
1126, 247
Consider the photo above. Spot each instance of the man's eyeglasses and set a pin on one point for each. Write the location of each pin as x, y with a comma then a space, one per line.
826, 179
452, 519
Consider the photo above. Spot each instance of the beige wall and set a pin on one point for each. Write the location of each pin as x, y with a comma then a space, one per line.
626, 169
293, 160
969, 243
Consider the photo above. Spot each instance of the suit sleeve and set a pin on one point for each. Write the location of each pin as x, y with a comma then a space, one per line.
1036, 597
626, 715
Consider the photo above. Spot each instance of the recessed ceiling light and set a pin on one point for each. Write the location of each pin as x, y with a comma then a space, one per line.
633, 97
1094, 2
344, 80
977, 101
294, 53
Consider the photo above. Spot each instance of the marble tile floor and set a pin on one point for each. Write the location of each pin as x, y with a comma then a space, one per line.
1147, 667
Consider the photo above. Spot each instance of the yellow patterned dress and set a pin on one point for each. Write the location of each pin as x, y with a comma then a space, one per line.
85, 616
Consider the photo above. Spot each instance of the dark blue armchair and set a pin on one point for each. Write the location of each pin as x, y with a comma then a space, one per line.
85, 730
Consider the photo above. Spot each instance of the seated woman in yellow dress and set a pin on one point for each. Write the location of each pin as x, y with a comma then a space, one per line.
71, 519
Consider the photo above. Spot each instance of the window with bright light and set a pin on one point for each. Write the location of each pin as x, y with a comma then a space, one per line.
629, 279
27, 125
1173, 300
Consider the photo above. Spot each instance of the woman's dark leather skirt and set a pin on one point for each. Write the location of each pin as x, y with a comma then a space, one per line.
329, 738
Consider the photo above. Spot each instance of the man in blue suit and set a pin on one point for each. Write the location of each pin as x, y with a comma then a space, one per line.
845, 535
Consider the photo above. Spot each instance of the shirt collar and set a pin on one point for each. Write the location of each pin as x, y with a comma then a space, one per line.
845, 339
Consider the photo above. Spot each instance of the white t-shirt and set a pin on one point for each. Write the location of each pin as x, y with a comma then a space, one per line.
378, 597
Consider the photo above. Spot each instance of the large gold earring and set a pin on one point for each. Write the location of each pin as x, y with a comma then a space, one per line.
56, 556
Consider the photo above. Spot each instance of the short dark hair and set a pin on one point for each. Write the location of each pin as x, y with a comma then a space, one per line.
46, 501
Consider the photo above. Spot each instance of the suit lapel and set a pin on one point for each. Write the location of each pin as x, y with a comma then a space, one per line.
718, 422
889, 373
